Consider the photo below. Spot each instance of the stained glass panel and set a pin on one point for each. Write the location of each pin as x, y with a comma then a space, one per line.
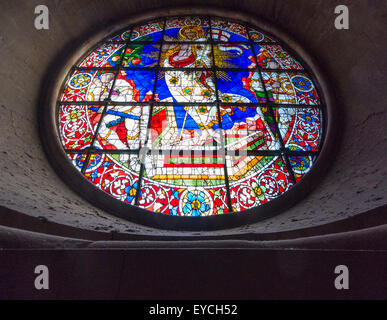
300, 127
137, 55
107, 55
290, 88
151, 31
301, 165
186, 86
113, 177
249, 128
184, 184
76, 129
77, 160
225, 31
185, 128
191, 115
122, 127
121, 36
233, 56
257, 36
186, 56
133, 86
275, 57
189, 28
256, 180
88, 85
240, 86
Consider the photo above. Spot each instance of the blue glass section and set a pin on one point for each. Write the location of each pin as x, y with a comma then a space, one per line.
115, 59
233, 56
236, 115
133, 86
231, 82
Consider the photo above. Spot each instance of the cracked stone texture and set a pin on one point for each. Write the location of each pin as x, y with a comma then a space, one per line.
353, 59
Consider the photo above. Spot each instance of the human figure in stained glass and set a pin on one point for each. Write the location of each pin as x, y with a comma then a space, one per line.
199, 86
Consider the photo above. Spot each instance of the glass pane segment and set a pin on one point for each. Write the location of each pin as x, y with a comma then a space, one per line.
178, 184
301, 128
140, 56
148, 32
290, 88
256, 180
183, 201
186, 56
233, 56
76, 131
186, 169
186, 86
121, 36
88, 85
258, 36
240, 87
185, 128
123, 128
133, 86
187, 29
275, 57
77, 159
114, 178
249, 128
226, 31
107, 55
301, 165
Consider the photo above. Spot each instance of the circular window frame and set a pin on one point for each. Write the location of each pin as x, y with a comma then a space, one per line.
76, 181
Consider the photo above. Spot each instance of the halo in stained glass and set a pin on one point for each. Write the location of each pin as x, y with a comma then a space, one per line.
191, 116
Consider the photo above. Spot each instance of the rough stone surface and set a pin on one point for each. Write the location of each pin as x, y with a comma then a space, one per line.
354, 60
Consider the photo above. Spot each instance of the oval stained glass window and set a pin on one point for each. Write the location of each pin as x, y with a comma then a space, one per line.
191, 116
